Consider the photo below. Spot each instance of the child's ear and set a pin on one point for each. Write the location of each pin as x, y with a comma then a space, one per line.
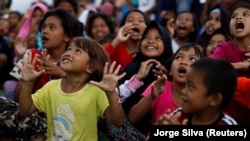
216, 99
89, 69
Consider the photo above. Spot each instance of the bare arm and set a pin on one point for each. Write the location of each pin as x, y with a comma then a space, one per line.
139, 110
29, 75
114, 113
26, 105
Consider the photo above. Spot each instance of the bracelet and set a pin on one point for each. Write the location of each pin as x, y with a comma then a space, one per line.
119, 101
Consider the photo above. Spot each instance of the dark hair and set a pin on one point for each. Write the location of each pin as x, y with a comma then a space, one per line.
97, 55
71, 26
192, 35
19, 15
107, 19
219, 77
73, 3
218, 31
146, 18
185, 47
242, 4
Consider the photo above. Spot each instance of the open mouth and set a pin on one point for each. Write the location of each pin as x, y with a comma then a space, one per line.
239, 26
182, 71
44, 39
136, 30
182, 28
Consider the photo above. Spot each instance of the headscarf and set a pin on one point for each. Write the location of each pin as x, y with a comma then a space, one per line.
25, 28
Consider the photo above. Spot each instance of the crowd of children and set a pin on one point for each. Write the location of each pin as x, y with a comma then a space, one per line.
78, 71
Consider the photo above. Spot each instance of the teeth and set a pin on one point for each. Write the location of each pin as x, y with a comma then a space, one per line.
150, 47
99, 34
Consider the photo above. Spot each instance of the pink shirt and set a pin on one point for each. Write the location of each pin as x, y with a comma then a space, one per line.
231, 53
163, 102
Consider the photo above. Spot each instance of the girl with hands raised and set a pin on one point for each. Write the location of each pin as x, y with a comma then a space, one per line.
126, 44
78, 100
165, 92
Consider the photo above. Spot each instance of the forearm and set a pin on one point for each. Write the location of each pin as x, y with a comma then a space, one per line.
115, 110
25, 100
129, 87
115, 42
139, 110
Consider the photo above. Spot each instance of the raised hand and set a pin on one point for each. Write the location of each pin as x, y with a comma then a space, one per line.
145, 68
50, 67
159, 69
171, 119
159, 86
20, 47
28, 71
110, 78
124, 32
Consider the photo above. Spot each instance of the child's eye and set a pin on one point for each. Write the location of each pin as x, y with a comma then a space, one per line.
178, 57
193, 59
78, 51
158, 38
52, 27
245, 14
233, 16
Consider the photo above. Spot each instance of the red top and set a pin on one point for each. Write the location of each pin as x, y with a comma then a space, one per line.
119, 54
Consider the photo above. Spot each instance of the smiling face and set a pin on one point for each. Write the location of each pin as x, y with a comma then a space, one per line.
152, 44
184, 24
182, 60
194, 95
240, 22
214, 41
137, 22
99, 29
212, 23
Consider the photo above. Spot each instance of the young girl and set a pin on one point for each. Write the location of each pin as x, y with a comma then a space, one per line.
69, 5
126, 44
99, 26
56, 24
237, 51
210, 86
35, 13
154, 52
216, 18
166, 94
61, 99
185, 28
217, 37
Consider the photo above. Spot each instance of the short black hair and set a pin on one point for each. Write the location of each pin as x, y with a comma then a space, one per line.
71, 26
219, 76
242, 4
146, 18
73, 3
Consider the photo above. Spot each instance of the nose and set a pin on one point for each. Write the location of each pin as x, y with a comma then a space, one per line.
184, 61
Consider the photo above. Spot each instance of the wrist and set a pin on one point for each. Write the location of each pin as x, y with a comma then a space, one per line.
116, 42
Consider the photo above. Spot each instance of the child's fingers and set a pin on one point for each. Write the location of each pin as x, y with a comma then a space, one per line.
106, 68
111, 68
121, 76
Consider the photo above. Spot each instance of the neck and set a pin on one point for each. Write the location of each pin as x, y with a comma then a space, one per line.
206, 117
176, 91
243, 43
55, 54
72, 83
132, 46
